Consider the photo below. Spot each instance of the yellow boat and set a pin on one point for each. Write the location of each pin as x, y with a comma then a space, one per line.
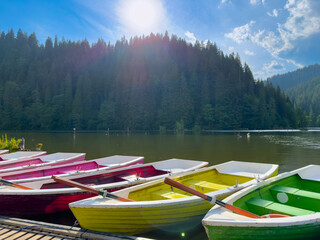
159, 206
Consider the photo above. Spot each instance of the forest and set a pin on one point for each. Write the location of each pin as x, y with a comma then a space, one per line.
303, 88
291, 79
307, 96
149, 83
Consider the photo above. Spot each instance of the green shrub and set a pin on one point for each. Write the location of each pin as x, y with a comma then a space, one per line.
12, 145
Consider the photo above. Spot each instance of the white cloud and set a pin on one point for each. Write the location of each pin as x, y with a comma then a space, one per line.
249, 53
290, 3
224, 2
274, 13
294, 63
239, 34
256, 2
303, 21
273, 67
231, 49
192, 38
269, 41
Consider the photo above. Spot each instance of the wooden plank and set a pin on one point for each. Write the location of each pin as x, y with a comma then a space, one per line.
26, 236
38, 236
7, 234
47, 238
17, 235
33, 230
3, 231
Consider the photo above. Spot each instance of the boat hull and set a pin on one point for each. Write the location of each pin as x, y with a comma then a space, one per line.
132, 221
24, 205
301, 231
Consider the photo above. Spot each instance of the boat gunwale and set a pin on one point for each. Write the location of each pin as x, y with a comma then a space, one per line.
3, 158
93, 171
43, 163
228, 218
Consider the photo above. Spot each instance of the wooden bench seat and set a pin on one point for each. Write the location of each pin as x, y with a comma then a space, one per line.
166, 194
298, 198
263, 207
205, 186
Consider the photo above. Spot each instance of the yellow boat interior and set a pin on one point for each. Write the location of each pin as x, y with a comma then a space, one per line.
204, 181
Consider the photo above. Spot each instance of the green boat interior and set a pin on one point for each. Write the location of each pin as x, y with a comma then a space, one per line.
292, 196
205, 181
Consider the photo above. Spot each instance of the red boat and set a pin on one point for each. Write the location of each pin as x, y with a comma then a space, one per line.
45, 172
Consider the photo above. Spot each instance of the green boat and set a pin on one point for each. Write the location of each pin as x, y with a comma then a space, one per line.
295, 194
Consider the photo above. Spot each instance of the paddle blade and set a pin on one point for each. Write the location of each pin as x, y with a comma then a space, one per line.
89, 189
11, 184
240, 211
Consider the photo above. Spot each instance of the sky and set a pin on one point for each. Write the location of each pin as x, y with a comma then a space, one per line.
271, 36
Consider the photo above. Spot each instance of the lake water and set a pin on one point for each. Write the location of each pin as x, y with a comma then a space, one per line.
290, 150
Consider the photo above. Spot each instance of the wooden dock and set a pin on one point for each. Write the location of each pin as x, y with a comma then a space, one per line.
21, 229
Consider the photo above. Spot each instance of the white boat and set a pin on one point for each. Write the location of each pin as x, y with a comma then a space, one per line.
21, 154
3, 151
53, 159
295, 194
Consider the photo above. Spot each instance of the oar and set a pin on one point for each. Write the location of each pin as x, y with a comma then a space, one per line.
11, 184
89, 189
212, 200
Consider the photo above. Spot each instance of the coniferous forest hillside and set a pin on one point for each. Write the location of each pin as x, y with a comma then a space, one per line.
294, 78
148, 83
307, 97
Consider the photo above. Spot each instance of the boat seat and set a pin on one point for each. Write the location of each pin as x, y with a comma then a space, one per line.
298, 198
167, 194
205, 186
263, 207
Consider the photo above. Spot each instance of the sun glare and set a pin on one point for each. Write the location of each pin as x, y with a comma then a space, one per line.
141, 16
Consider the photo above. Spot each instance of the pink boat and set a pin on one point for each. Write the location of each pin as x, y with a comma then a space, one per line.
41, 161
50, 197
45, 172
21, 155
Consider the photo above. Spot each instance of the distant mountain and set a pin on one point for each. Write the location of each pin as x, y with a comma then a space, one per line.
307, 96
294, 78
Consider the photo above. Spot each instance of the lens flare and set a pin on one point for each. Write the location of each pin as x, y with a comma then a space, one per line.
141, 16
